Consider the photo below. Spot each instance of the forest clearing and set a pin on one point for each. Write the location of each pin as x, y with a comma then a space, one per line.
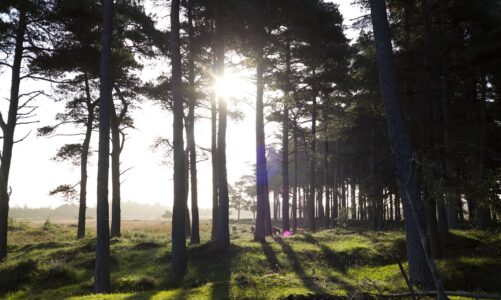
48, 263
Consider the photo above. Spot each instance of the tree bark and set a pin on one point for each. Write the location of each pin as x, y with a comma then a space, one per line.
84, 159
102, 267
115, 173
327, 218
420, 261
179, 259
294, 189
263, 217
8, 133
195, 232
285, 142
223, 232
313, 162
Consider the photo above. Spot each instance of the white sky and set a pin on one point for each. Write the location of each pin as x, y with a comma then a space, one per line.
33, 173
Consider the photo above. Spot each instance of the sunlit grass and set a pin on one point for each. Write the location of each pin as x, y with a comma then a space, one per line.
47, 262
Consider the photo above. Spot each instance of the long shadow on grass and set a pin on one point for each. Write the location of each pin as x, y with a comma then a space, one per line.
271, 257
293, 258
209, 262
336, 261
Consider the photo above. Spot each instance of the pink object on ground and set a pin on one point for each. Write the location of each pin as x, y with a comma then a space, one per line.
287, 233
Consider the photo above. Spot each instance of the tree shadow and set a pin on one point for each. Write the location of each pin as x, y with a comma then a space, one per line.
210, 262
308, 282
271, 257
337, 261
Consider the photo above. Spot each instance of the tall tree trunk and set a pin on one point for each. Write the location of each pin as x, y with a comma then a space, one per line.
8, 133
223, 231
352, 195
483, 212
294, 189
334, 214
215, 201
436, 248
451, 203
421, 263
102, 267
435, 98
118, 144
285, 142
179, 259
327, 219
84, 159
195, 232
115, 173
313, 162
263, 202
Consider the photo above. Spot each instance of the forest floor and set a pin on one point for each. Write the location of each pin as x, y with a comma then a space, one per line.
47, 262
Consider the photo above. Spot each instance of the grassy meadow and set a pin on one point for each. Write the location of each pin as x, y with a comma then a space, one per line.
47, 262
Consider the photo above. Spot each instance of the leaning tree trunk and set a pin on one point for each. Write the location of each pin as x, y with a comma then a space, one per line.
418, 248
195, 233
8, 134
102, 268
178, 259
83, 161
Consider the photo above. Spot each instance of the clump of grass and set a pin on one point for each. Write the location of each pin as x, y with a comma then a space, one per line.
146, 245
242, 280
14, 277
47, 225
59, 273
136, 283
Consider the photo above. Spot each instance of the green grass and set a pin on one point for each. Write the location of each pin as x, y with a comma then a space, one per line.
46, 262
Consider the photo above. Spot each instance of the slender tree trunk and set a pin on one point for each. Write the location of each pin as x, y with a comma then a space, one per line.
436, 248
83, 161
285, 142
433, 82
327, 219
483, 212
115, 173
8, 133
223, 232
451, 203
102, 267
263, 203
118, 144
179, 259
418, 250
313, 162
215, 201
334, 214
195, 232
295, 191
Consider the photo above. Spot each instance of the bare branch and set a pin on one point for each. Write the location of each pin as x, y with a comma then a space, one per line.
22, 139
26, 123
124, 171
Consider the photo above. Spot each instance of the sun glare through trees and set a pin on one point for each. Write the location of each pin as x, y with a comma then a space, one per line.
257, 149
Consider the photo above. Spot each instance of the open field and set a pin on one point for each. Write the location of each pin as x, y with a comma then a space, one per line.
46, 262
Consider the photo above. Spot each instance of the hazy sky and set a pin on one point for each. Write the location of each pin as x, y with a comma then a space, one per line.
33, 173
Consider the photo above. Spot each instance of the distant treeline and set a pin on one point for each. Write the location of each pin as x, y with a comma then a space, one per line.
130, 210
